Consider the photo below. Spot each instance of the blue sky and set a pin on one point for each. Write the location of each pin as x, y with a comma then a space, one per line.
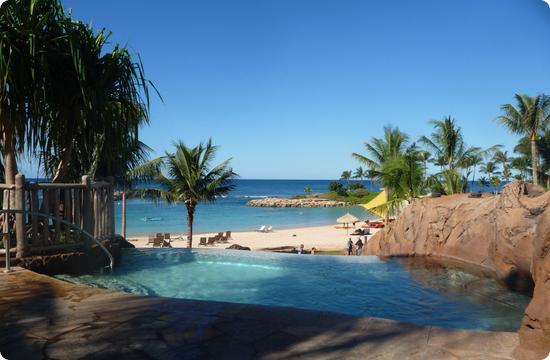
290, 88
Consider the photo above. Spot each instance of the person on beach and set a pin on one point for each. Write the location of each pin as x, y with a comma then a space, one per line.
313, 250
350, 247
301, 250
359, 245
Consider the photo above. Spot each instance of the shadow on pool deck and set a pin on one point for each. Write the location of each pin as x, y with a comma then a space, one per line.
46, 318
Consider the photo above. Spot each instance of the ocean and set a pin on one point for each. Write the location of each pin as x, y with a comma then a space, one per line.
231, 212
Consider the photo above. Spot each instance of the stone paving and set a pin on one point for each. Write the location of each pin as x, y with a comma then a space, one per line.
44, 318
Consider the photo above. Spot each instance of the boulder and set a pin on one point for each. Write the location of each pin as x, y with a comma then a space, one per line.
506, 235
535, 327
238, 247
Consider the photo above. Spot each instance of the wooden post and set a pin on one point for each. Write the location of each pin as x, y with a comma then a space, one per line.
77, 216
96, 211
56, 194
46, 221
86, 208
20, 235
123, 217
111, 208
34, 208
67, 212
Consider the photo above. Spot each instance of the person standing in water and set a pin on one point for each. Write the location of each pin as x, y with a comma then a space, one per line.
350, 247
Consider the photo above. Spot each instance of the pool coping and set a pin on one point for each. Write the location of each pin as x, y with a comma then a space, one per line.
47, 317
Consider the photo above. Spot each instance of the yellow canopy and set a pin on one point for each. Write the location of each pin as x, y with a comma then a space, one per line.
379, 200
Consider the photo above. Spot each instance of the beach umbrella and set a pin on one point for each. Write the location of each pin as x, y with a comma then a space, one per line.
347, 219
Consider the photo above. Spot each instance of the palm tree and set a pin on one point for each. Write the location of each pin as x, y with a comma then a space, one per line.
483, 182
528, 118
425, 157
453, 156
190, 178
502, 158
380, 150
346, 175
474, 161
446, 142
521, 164
359, 173
544, 147
489, 168
495, 181
395, 165
507, 173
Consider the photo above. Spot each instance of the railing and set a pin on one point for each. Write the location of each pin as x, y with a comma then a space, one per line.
53, 217
7, 212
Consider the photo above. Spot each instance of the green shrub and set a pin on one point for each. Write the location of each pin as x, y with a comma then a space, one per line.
335, 186
356, 186
361, 193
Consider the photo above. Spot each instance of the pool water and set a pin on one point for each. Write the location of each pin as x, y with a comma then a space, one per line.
361, 286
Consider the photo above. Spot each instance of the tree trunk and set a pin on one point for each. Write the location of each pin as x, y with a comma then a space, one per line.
63, 166
8, 147
123, 220
190, 214
68, 116
534, 159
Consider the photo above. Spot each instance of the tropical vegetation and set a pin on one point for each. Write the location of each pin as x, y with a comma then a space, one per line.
187, 176
400, 165
66, 98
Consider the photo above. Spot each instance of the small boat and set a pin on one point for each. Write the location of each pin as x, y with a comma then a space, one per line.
151, 219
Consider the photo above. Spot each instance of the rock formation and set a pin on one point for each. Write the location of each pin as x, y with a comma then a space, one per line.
507, 235
301, 203
238, 247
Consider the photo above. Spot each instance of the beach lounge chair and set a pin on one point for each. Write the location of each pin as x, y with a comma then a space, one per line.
202, 241
228, 235
220, 235
167, 241
157, 242
211, 241
222, 239
269, 229
151, 239
159, 235
262, 228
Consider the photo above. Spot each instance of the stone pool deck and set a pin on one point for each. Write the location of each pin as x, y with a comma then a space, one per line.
44, 318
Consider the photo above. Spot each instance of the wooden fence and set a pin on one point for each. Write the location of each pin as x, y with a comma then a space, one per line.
87, 205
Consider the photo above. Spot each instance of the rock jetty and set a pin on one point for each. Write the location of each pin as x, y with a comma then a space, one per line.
296, 203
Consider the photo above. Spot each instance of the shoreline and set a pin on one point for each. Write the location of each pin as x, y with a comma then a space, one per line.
282, 227
321, 237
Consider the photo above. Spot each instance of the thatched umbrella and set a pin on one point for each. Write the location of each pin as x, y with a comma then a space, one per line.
347, 219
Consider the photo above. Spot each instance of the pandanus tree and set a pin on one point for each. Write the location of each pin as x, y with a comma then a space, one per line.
188, 176
529, 118
62, 95
101, 101
28, 30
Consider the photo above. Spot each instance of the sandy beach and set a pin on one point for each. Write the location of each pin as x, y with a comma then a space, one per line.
325, 238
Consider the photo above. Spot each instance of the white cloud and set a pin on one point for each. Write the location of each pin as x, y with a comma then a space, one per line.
547, 2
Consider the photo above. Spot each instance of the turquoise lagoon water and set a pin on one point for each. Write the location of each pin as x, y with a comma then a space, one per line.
361, 286
231, 212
